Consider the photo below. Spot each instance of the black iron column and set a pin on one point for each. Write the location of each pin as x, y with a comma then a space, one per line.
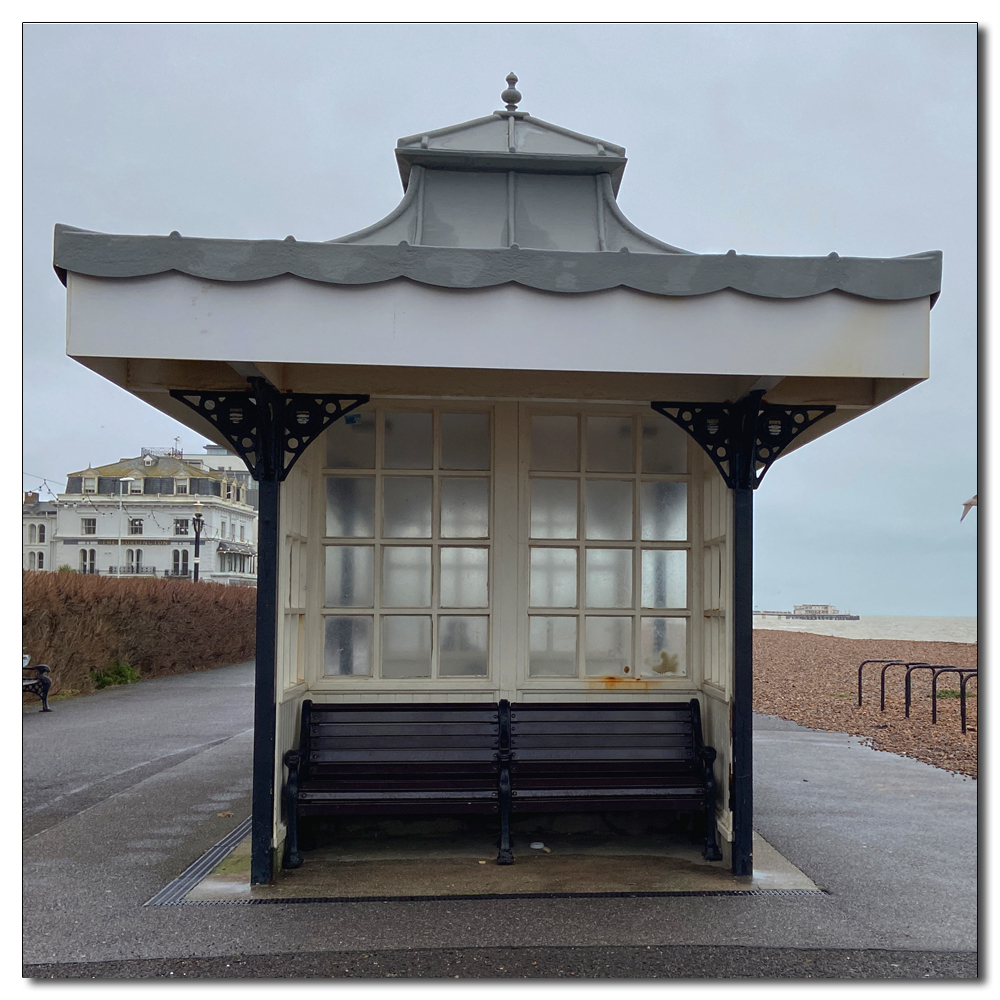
742, 735
269, 430
265, 672
742, 438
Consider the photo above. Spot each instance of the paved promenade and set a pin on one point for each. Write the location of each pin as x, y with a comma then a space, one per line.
135, 778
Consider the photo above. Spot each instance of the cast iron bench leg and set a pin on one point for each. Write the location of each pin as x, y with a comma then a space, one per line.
505, 856
290, 793
45, 683
711, 850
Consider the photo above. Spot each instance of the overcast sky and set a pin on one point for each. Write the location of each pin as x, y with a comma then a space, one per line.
770, 139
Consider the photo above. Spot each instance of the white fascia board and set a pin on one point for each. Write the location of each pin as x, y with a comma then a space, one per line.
401, 323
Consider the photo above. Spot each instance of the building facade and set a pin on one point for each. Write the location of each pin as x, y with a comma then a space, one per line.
38, 530
137, 517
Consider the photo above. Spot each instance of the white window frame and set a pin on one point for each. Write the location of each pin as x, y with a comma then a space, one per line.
600, 685
509, 572
467, 685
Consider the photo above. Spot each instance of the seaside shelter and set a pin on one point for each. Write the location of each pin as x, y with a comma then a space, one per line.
506, 442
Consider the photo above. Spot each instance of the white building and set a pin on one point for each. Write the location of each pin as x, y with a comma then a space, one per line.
38, 529
219, 459
136, 517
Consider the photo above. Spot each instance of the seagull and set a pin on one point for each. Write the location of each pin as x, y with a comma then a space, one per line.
967, 506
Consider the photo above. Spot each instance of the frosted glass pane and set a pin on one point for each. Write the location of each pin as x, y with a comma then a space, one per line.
608, 646
664, 446
406, 646
347, 648
554, 445
609, 578
408, 441
349, 576
552, 647
664, 579
663, 512
464, 643
406, 576
350, 506
406, 507
609, 509
664, 646
553, 508
609, 444
553, 578
465, 508
464, 578
465, 440
350, 442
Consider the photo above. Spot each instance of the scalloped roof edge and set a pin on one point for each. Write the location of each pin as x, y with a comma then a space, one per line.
117, 256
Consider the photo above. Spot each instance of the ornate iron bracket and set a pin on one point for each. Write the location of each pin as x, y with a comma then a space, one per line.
745, 437
269, 429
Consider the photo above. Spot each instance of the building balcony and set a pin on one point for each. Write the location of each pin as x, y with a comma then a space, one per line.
132, 571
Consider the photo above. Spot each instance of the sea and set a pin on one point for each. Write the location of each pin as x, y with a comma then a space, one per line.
882, 627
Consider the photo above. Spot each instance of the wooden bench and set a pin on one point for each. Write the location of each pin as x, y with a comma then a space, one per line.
501, 759
593, 757
391, 758
35, 681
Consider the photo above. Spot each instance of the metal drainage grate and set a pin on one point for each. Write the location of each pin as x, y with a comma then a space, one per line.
174, 892
499, 895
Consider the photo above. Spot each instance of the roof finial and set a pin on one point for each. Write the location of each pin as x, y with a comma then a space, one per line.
511, 96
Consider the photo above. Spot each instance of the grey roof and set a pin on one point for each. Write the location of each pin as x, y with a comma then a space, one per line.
507, 198
243, 548
164, 467
37, 508
108, 256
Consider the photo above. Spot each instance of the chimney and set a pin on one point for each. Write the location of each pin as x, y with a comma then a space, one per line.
31, 498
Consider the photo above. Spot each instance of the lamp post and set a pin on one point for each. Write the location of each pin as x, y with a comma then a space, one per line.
199, 524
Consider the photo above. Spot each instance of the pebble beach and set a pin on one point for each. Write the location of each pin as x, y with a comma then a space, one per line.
812, 679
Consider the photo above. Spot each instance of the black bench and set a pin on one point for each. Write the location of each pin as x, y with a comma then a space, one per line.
35, 681
593, 757
396, 758
486, 758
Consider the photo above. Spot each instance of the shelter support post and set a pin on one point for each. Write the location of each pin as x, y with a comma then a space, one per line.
742, 439
269, 430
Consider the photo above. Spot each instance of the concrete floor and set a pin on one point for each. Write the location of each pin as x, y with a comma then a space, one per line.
435, 868
893, 841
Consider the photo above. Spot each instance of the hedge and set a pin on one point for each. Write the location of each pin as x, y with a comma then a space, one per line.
78, 623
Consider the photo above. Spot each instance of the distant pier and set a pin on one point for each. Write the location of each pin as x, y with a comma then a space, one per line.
810, 613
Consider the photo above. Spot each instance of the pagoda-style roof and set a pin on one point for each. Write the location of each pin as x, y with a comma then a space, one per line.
503, 199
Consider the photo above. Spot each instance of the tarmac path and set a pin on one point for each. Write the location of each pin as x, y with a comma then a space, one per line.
135, 779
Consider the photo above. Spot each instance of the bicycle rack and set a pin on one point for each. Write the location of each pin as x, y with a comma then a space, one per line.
910, 664
864, 664
965, 680
965, 674
908, 683
937, 673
